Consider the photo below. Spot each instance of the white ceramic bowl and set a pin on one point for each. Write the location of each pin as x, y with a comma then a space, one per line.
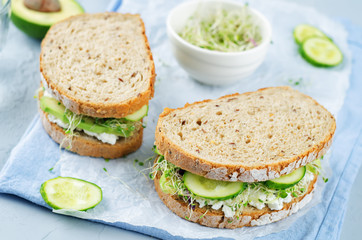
215, 67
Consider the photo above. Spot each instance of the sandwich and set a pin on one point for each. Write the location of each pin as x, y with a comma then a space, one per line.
243, 159
97, 76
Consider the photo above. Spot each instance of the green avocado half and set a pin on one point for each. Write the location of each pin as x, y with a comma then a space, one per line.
35, 23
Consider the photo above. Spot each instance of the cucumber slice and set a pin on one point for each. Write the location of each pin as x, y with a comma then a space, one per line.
136, 116
305, 31
70, 193
288, 180
321, 52
212, 189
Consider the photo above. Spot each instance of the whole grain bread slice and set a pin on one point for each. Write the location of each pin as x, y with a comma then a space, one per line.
250, 137
86, 145
215, 218
99, 65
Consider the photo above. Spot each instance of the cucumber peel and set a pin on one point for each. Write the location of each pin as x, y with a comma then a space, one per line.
212, 189
288, 180
71, 193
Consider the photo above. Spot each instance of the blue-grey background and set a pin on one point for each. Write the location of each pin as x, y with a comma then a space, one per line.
20, 219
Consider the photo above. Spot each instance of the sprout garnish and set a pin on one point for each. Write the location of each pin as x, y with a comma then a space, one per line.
225, 31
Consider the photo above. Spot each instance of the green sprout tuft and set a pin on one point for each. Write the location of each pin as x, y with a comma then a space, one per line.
225, 31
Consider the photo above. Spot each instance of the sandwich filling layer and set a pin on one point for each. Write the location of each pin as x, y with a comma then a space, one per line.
107, 130
257, 194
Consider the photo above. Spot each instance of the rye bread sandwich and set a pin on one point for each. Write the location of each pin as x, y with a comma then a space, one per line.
97, 76
243, 159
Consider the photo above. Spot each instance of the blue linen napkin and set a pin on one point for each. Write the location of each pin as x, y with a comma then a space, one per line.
22, 176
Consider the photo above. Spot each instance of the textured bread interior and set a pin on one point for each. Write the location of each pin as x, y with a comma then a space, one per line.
254, 129
99, 58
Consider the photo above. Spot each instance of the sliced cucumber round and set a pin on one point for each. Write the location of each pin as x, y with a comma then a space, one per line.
137, 116
212, 189
305, 31
321, 52
288, 180
70, 193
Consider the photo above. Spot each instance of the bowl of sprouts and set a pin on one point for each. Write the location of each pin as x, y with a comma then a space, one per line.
218, 42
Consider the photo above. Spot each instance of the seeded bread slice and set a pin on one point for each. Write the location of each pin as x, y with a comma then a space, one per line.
86, 145
99, 65
250, 137
215, 218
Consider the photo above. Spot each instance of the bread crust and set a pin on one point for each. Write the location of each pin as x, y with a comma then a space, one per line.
86, 145
215, 218
227, 172
104, 110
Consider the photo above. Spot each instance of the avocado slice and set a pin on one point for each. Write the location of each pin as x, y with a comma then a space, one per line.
54, 107
35, 23
88, 124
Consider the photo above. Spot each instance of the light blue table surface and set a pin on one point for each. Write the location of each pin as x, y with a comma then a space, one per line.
20, 219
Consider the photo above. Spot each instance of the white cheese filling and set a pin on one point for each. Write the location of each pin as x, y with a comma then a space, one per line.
46, 93
258, 199
56, 120
104, 137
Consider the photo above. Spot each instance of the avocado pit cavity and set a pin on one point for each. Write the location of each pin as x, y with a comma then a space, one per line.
43, 5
